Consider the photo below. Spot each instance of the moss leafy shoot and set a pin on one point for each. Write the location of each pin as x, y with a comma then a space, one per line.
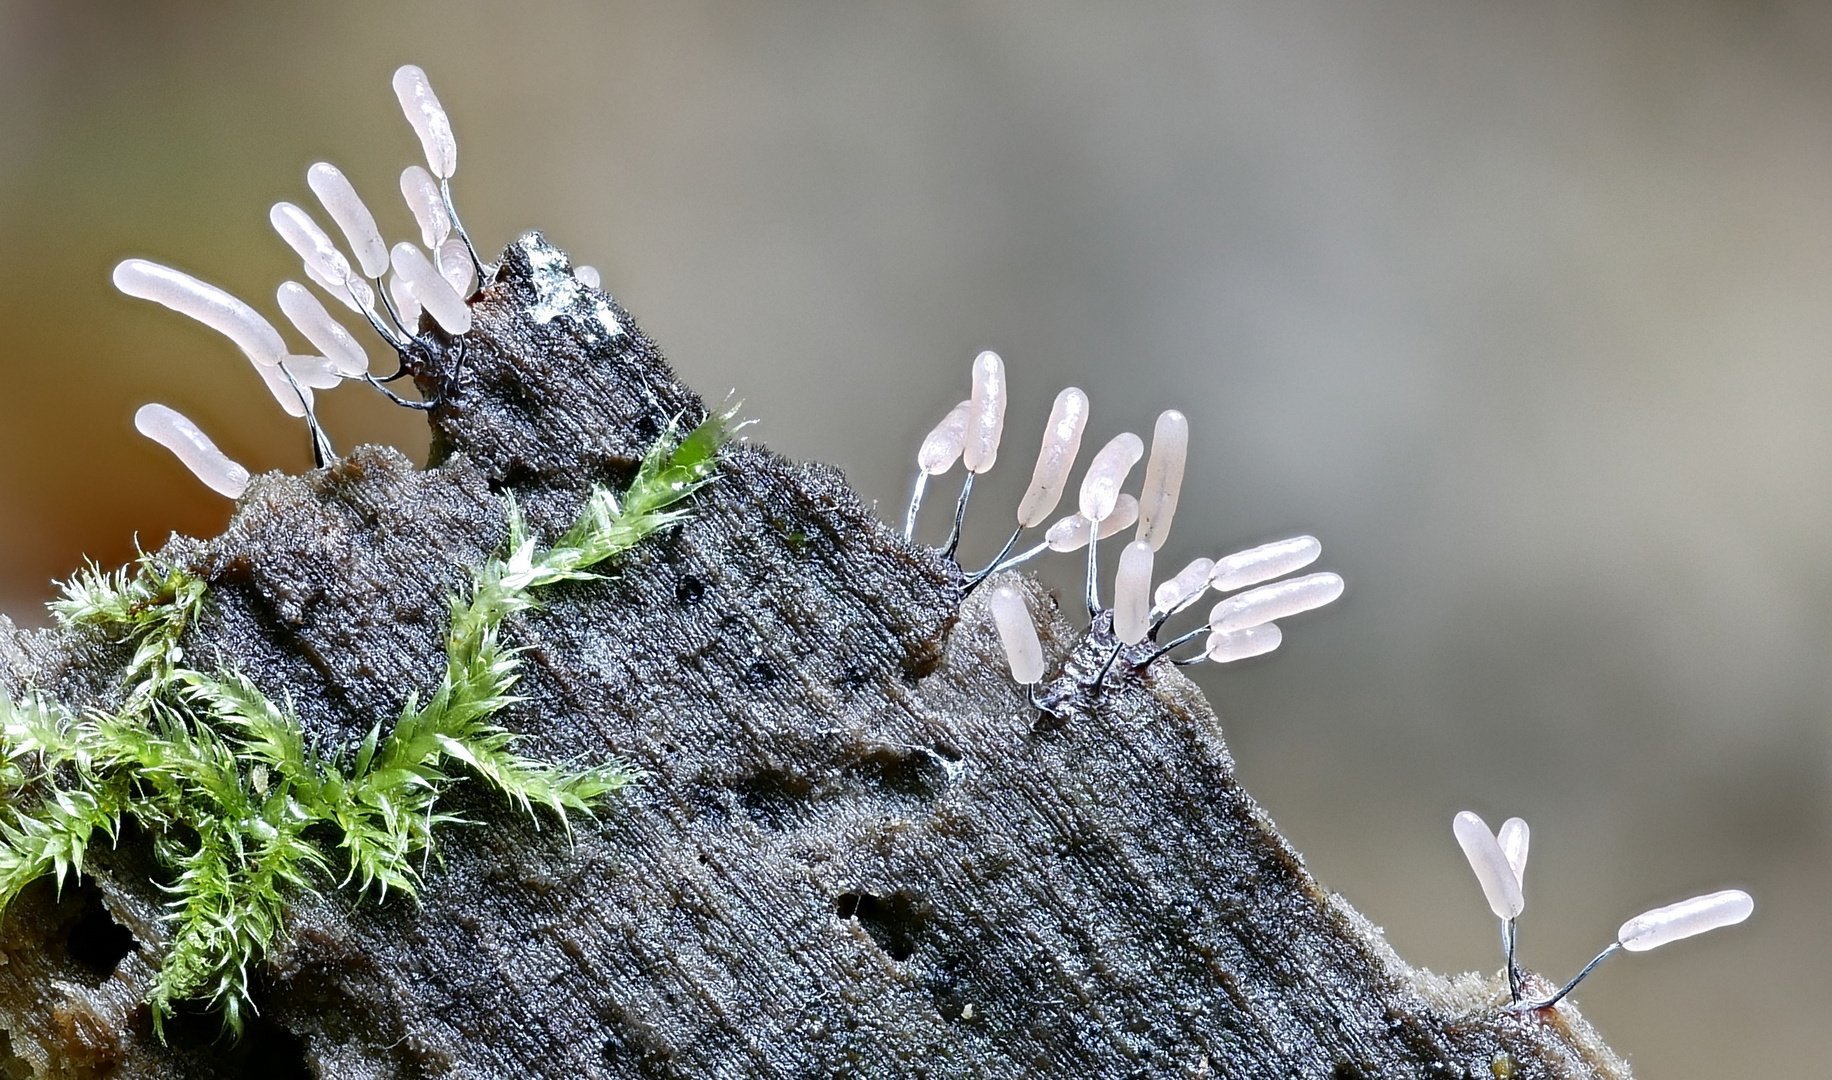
241, 811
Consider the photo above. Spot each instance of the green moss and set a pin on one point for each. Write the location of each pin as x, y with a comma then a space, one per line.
241, 811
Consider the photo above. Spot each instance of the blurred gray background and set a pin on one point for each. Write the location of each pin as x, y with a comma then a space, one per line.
1525, 309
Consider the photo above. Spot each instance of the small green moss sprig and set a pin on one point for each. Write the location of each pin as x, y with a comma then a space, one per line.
241, 811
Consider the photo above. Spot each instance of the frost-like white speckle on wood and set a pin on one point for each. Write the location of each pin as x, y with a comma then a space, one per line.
557, 292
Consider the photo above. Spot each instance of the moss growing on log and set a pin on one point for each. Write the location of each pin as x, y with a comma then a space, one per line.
222, 778
855, 853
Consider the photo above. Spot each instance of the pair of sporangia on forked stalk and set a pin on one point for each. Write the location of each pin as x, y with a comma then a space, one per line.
1500, 863
1239, 626
440, 279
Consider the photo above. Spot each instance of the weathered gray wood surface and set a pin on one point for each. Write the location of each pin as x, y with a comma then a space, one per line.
856, 854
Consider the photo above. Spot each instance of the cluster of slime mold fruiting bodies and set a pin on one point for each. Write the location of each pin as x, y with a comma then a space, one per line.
1124, 637
408, 281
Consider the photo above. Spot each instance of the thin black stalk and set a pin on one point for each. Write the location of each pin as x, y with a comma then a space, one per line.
1572, 985
1021, 557
394, 316
422, 406
451, 209
909, 519
1093, 571
322, 453
1510, 933
1191, 636
1108, 666
975, 579
1159, 620
960, 515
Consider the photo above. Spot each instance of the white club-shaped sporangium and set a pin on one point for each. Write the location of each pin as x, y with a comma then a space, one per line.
942, 446
174, 431
454, 262
1263, 563
428, 119
1190, 583
421, 193
323, 263
1100, 485
1170, 447
1017, 633
326, 334
985, 413
1513, 837
1652, 929
1279, 600
435, 293
1061, 443
1132, 593
213, 307
1225, 648
346, 208
1071, 533
406, 304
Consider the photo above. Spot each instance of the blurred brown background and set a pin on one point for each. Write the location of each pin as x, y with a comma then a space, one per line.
1525, 309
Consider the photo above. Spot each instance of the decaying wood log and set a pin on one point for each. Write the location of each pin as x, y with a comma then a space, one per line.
856, 851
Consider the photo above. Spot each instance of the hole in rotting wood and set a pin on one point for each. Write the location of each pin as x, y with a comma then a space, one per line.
12, 1066
894, 922
96, 943
271, 1052
909, 771
951, 990
775, 799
